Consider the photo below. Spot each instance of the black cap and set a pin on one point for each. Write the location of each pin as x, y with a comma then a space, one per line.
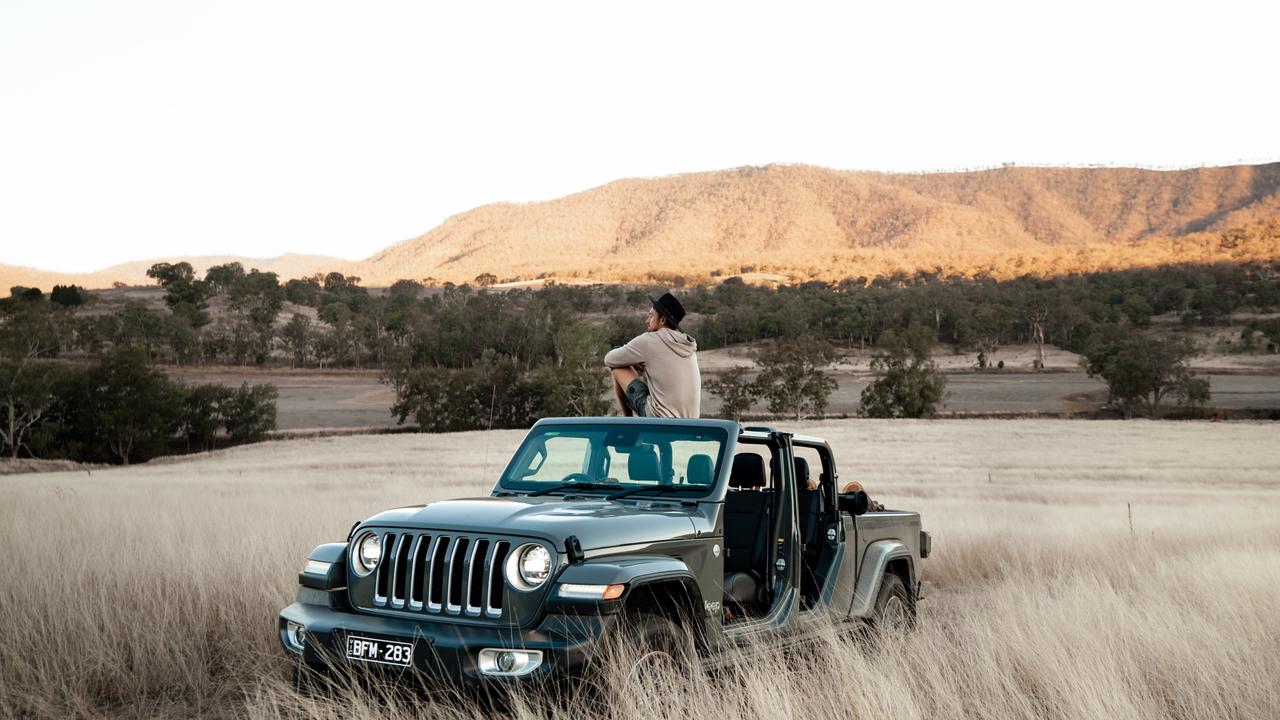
670, 308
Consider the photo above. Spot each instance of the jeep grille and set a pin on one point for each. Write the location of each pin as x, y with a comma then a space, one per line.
440, 574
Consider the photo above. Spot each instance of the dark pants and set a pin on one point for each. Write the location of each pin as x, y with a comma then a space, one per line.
638, 397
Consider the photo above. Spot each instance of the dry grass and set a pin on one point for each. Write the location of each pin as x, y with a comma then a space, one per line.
152, 591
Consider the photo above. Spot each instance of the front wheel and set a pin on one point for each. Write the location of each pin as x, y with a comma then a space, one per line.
656, 655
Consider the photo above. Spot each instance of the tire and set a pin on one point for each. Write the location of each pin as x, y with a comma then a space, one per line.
660, 650
895, 608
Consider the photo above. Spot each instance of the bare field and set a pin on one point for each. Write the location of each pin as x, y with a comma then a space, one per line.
356, 399
1083, 570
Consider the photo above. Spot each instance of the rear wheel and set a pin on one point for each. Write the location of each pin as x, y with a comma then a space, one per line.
895, 608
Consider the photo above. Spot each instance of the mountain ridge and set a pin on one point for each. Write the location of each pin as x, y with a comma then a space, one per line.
801, 222
808, 222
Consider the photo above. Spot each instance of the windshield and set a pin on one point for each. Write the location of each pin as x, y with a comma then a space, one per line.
617, 458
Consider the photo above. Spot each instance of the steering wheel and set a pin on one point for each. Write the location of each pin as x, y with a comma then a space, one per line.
577, 477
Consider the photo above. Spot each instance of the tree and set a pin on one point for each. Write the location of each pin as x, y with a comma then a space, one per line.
256, 299
339, 344
68, 295
182, 337
30, 330
28, 390
410, 289
302, 292
792, 378
297, 338
250, 412
1194, 393
202, 414
1036, 312
491, 396
1138, 310
1138, 369
909, 383
165, 273
134, 408
985, 329
1169, 368
179, 283
575, 384
221, 277
736, 394
140, 327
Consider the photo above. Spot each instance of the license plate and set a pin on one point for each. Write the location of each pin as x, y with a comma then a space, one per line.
376, 650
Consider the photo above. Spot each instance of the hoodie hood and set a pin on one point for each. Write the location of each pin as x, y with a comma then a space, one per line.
680, 343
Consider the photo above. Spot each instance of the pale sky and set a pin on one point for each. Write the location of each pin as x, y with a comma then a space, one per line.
137, 129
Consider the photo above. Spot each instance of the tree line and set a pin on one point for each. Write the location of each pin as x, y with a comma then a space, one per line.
462, 356
338, 323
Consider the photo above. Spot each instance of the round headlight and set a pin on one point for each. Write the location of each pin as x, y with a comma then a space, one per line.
529, 566
368, 553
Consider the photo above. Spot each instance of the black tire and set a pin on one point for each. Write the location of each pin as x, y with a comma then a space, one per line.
653, 633
895, 608
659, 649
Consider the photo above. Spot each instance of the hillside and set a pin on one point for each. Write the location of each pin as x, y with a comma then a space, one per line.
289, 265
809, 222
802, 222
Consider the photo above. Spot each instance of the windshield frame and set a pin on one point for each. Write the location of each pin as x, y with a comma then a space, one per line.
718, 430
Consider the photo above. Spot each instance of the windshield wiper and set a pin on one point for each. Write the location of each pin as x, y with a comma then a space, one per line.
572, 486
660, 489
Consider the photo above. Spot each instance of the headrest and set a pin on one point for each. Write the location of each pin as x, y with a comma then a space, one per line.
748, 471
642, 464
700, 470
802, 473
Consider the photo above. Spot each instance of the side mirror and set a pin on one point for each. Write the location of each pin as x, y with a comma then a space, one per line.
855, 502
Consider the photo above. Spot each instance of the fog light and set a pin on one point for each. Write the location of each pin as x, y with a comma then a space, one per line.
508, 663
296, 636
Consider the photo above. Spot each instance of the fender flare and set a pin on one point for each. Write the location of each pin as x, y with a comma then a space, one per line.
875, 562
336, 555
633, 570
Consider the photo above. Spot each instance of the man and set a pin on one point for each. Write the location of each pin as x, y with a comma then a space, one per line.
667, 358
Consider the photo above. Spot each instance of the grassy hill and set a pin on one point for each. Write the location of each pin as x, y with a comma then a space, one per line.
809, 222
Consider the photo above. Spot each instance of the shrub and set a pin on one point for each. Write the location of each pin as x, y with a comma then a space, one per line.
909, 383
792, 376
250, 412
736, 394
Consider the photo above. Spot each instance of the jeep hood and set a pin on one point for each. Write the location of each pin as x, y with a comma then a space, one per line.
596, 523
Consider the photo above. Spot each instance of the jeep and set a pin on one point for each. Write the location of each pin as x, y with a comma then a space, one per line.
661, 528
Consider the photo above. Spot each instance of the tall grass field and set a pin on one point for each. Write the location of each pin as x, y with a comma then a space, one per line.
1082, 570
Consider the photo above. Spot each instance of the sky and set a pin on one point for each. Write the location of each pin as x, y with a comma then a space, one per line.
140, 129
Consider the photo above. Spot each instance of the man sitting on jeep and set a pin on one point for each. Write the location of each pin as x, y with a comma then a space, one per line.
668, 360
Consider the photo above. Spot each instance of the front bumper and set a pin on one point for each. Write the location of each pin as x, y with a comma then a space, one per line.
445, 650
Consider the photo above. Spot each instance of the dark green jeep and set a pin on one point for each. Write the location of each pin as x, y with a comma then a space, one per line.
600, 526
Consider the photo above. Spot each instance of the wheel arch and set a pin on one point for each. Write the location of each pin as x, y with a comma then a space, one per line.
881, 557
656, 581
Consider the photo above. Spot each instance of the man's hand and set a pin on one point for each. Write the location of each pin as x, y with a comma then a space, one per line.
812, 484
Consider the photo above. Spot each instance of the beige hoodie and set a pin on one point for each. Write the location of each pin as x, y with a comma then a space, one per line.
670, 360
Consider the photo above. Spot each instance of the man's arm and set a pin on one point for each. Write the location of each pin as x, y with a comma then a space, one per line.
628, 355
